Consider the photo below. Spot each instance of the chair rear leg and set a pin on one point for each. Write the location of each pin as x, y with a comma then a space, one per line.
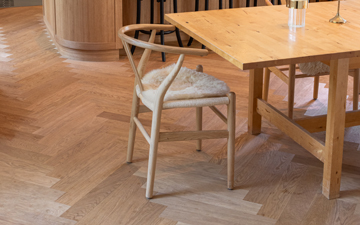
162, 38
154, 142
316, 87
266, 84
190, 41
178, 37
198, 126
356, 90
231, 140
199, 68
132, 132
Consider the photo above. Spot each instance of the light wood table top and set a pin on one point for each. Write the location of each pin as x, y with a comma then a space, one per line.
260, 37
254, 38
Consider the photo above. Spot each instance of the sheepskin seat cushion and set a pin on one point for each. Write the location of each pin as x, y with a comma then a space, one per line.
313, 68
188, 84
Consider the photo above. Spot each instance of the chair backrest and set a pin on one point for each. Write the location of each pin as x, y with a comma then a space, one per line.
150, 46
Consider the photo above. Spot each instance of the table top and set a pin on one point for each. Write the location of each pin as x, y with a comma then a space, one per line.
259, 37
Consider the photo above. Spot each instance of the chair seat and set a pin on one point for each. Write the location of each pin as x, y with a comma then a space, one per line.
314, 68
189, 89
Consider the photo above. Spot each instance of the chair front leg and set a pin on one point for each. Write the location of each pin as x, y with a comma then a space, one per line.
231, 139
199, 68
316, 87
198, 126
155, 127
154, 142
356, 90
291, 90
266, 84
132, 131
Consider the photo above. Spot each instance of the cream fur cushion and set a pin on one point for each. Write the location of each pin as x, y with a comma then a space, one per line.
313, 68
188, 84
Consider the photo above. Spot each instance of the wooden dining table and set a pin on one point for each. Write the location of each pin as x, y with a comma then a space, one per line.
259, 37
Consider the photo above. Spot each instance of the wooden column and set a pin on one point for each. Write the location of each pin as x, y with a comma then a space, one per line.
85, 29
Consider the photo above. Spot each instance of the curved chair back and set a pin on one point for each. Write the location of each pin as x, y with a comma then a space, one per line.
151, 46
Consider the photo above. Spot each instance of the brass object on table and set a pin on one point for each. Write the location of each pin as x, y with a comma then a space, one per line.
297, 12
297, 4
338, 18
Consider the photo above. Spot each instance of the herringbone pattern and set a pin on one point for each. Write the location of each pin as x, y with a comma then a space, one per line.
63, 138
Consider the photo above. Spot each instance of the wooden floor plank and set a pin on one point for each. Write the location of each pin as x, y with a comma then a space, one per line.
99, 193
27, 218
117, 207
22, 164
194, 212
78, 183
24, 154
31, 204
27, 176
299, 203
287, 186
15, 187
262, 185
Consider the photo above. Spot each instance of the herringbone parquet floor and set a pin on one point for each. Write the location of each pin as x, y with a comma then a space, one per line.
63, 137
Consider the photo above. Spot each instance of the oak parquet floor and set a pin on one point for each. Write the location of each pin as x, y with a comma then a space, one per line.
63, 138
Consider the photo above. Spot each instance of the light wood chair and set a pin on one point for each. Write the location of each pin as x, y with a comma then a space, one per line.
289, 79
158, 104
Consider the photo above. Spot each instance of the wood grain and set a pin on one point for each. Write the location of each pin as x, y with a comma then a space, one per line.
251, 42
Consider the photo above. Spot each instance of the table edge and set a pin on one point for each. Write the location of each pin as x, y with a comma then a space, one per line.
255, 65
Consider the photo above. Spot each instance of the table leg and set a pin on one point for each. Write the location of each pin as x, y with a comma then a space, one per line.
255, 92
335, 127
